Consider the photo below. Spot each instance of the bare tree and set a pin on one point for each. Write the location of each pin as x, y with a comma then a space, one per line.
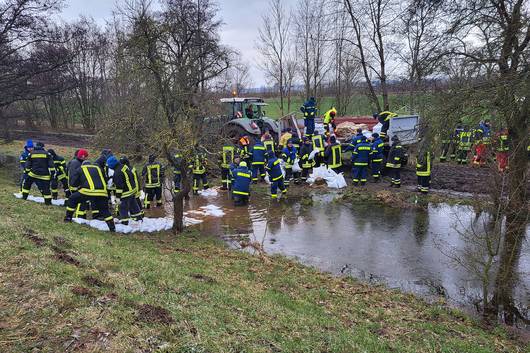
312, 31
180, 47
359, 41
274, 46
422, 27
500, 32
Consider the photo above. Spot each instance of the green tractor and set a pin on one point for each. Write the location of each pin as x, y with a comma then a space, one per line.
247, 116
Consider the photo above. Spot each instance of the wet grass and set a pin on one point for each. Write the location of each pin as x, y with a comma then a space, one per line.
144, 293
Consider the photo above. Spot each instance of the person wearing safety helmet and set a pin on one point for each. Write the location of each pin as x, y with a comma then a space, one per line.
241, 185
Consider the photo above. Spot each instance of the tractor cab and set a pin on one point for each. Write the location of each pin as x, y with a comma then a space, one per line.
251, 108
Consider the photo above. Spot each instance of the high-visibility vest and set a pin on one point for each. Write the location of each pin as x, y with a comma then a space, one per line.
153, 176
228, 156
92, 181
336, 156
318, 142
424, 169
503, 144
269, 145
465, 139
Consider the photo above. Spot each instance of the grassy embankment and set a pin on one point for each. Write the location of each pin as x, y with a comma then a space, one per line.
65, 287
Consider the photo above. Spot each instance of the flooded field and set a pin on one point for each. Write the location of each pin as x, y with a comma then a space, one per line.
401, 248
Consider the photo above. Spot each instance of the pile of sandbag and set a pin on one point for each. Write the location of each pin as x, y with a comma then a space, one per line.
332, 179
348, 129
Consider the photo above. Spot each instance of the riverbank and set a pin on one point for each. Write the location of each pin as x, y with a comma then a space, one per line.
68, 287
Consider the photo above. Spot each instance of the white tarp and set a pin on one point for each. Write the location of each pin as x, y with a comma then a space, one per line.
40, 199
147, 225
333, 180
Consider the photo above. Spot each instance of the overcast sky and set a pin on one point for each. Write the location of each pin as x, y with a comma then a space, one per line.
240, 30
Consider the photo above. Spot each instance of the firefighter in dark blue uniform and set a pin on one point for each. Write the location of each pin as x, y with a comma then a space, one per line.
198, 169
275, 175
39, 169
393, 163
125, 161
226, 158
333, 155
126, 191
59, 176
360, 158
153, 173
309, 109
241, 185
305, 163
23, 159
318, 144
377, 157
258, 161
289, 156
90, 186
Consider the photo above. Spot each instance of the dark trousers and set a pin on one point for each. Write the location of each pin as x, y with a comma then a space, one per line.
275, 185
240, 200
306, 172
258, 170
376, 170
395, 176
337, 170
424, 182
98, 203
197, 178
43, 185
129, 209
54, 184
176, 180
151, 194
225, 178
359, 173
461, 156
445, 151
309, 126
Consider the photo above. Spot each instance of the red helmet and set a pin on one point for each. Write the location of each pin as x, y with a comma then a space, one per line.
82, 154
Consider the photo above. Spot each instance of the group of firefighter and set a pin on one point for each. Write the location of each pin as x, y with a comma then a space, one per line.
479, 144
93, 186
90, 186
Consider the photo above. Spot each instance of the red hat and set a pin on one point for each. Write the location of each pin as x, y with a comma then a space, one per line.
82, 154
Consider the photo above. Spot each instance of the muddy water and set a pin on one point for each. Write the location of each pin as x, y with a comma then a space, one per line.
401, 248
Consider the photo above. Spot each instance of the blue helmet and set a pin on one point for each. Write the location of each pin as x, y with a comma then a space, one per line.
29, 144
112, 162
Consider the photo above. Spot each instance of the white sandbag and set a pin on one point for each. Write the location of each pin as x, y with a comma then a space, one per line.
208, 192
296, 166
377, 128
313, 154
333, 180
147, 225
40, 199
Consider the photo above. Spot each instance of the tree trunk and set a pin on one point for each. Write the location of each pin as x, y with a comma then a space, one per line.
178, 203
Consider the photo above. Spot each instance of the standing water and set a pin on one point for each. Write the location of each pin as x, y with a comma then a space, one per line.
401, 248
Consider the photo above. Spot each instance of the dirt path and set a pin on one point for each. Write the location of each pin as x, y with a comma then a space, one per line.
55, 138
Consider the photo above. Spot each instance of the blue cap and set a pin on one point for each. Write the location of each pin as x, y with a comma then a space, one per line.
29, 144
112, 162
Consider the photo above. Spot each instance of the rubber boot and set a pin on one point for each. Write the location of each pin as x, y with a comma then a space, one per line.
55, 195
48, 202
112, 226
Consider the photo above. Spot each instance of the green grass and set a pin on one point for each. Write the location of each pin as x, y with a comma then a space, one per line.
211, 298
359, 105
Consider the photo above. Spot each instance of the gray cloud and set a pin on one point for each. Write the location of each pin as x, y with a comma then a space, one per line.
241, 19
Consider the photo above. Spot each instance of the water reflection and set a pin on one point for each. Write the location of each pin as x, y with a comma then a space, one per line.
372, 242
